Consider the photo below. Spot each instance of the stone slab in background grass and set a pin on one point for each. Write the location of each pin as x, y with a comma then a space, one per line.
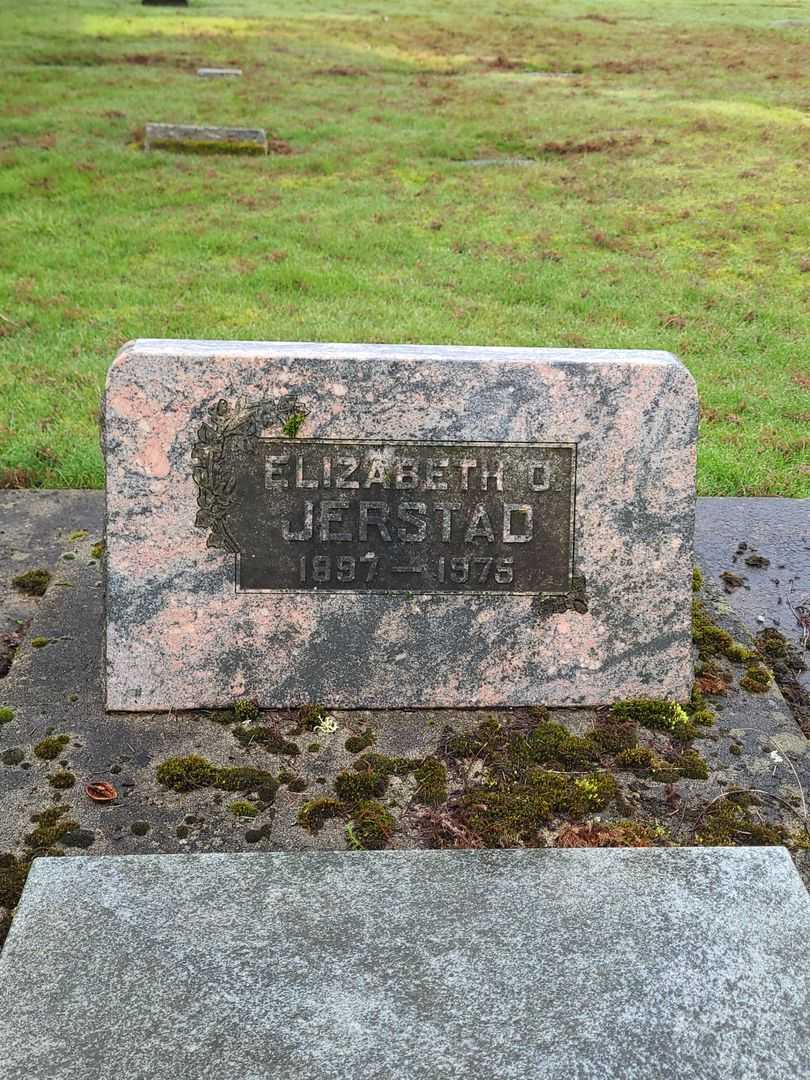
191, 138
207, 599
219, 73
640, 964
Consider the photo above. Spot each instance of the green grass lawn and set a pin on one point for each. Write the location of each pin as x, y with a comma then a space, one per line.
666, 205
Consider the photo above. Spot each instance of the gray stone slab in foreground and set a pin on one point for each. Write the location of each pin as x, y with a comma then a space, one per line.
639, 964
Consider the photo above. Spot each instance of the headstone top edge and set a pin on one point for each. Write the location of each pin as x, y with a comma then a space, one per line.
168, 349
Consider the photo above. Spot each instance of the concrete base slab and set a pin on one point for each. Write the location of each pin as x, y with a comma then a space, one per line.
734, 536
640, 964
57, 688
38, 530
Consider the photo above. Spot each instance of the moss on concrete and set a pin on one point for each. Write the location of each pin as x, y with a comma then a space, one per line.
62, 779
370, 828
268, 738
315, 812
32, 582
355, 744
431, 782
656, 715
49, 748
192, 772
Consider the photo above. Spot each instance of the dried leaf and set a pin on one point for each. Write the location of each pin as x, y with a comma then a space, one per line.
101, 791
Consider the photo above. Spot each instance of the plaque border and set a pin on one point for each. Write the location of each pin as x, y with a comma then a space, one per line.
450, 593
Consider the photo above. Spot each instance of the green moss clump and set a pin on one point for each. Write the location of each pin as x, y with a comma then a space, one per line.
635, 758
39, 642
386, 766
771, 644
266, 737
32, 582
697, 579
51, 746
293, 423
243, 778
356, 787
140, 828
550, 744
13, 872
243, 808
371, 826
355, 744
512, 814
97, 550
757, 679
62, 779
186, 773
6, 715
51, 826
431, 780
713, 641
191, 772
692, 766
314, 748
698, 709
730, 822
738, 653
488, 736
656, 715
315, 812
613, 736
246, 710
311, 717
509, 752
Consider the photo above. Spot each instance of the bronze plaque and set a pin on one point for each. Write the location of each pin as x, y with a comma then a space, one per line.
337, 515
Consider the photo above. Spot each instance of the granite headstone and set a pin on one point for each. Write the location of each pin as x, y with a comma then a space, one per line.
393, 525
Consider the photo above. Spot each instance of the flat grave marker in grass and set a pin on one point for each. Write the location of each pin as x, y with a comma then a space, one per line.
397, 526
482, 163
164, 3
219, 73
203, 139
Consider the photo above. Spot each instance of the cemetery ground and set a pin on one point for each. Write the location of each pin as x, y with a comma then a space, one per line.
581, 174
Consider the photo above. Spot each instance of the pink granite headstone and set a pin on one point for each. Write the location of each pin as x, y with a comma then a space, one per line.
385, 526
